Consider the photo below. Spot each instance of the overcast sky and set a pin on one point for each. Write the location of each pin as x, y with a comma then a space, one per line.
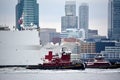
50, 12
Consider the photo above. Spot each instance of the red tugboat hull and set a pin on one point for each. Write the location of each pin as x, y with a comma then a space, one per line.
99, 65
74, 67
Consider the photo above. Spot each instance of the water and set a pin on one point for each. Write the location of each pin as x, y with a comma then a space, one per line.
88, 74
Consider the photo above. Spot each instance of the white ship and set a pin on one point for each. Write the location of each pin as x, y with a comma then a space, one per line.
19, 47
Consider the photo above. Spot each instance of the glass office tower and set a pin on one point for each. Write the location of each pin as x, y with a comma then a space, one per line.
84, 18
27, 14
114, 19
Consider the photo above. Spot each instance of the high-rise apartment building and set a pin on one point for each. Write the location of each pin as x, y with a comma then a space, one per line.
27, 14
70, 20
114, 19
84, 18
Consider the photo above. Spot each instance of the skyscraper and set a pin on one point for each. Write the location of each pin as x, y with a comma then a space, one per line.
27, 13
70, 8
70, 20
114, 19
84, 18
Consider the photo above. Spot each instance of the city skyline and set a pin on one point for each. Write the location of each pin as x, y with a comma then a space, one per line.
50, 13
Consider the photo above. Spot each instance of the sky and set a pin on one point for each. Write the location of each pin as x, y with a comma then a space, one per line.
50, 12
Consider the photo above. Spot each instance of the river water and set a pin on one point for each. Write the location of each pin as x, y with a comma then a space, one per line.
87, 74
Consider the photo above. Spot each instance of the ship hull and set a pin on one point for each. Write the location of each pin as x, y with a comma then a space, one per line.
99, 65
75, 67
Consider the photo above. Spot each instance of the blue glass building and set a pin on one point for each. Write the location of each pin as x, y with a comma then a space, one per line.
27, 13
114, 19
100, 46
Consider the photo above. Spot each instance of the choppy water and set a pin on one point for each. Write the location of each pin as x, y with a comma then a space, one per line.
88, 74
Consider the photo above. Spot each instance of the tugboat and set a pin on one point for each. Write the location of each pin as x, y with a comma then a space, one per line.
98, 62
55, 62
